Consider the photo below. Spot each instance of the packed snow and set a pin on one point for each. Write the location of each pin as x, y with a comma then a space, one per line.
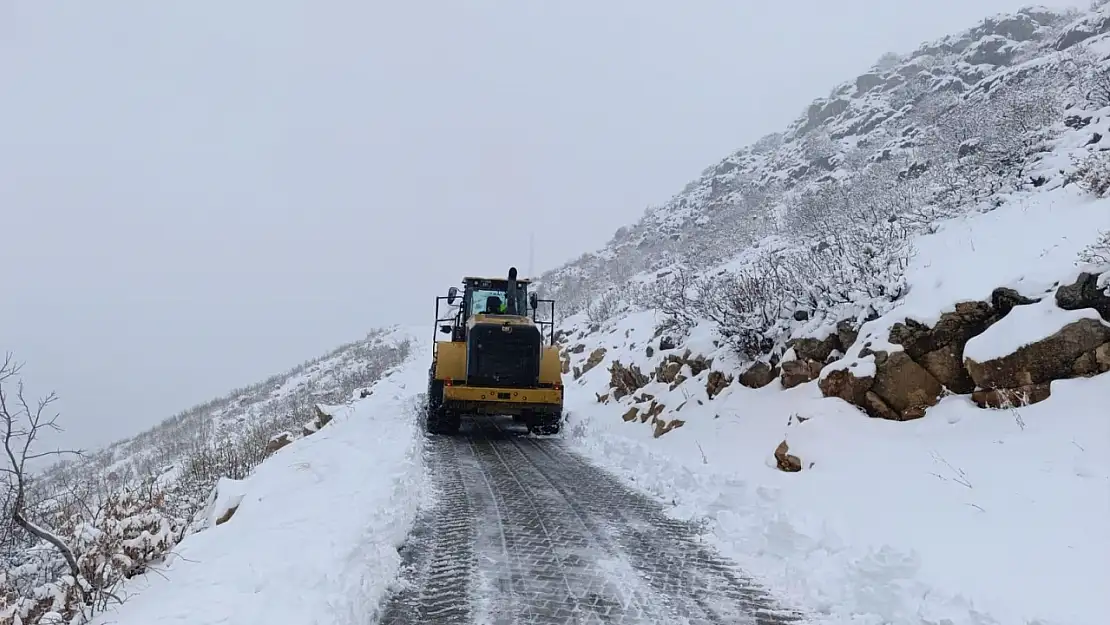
315, 529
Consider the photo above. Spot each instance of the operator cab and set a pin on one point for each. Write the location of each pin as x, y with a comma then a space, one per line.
488, 298
491, 296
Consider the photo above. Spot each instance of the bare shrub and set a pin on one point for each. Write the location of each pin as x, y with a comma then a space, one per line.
1092, 174
604, 308
982, 143
1098, 253
1089, 76
754, 307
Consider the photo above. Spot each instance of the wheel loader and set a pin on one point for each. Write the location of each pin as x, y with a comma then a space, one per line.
498, 359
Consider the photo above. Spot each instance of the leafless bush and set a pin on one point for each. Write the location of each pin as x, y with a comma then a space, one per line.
746, 305
604, 307
1092, 174
674, 296
1098, 253
1089, 76
61, 597
753, 307
980, 144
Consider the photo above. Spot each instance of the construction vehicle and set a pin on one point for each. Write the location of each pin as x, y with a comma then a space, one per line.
498, 359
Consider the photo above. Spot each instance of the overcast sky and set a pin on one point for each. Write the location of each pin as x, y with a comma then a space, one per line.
195, 195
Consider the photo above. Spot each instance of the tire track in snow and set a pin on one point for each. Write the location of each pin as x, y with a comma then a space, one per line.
524, 531
708, 588
438, 557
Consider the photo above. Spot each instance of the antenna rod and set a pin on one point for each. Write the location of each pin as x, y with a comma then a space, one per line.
531, 254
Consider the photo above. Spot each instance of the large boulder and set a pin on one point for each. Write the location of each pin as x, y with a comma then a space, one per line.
1051, 358
939, 349
1084, 293
846, 385
903, 385
898, 389
816, 349
795, 372
1005, 299
759, 375
277, 442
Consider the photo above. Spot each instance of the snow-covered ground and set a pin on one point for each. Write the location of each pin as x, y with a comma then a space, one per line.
966, 516
315, 533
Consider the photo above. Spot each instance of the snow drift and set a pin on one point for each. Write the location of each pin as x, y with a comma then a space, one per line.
312, 535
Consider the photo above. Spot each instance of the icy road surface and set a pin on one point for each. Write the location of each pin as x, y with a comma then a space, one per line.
520, 530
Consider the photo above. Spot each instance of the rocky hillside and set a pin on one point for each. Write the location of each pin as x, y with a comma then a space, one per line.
884, 327
924, 135
804, 254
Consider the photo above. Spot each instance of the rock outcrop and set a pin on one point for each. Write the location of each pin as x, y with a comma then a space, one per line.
898, 389
592, 361
625, 380
1051, 358
795, 372
902, 385
759, 375
1085, 293
811, 354
940, 349
277, 442
717, 382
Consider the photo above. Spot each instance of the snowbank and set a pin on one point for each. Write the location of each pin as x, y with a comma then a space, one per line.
975, 516
315, 529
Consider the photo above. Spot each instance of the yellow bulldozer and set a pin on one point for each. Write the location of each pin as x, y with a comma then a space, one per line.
498, 359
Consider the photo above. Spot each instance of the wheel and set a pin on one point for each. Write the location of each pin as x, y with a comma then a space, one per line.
443, 422
439, 420
546, 424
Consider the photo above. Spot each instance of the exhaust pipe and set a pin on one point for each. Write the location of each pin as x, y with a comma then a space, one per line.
511, 294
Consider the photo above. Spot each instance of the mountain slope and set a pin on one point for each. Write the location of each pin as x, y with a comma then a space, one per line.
870, 128
122, 509
871, 352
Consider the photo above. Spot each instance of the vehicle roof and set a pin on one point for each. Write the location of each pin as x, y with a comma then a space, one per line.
501, 279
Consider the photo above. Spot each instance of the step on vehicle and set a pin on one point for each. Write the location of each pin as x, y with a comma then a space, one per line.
498, 359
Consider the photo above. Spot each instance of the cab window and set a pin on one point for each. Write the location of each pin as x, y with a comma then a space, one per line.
480, 299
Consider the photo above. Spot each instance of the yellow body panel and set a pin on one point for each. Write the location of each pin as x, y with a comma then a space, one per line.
450, 361
503, 395
551, 367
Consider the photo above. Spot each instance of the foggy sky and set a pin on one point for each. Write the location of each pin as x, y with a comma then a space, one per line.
195, 195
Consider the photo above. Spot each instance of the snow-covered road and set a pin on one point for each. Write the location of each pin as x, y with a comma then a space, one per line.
521, 530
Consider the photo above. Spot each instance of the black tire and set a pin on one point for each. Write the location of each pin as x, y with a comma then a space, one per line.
443, 422
547, 424
439, 420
